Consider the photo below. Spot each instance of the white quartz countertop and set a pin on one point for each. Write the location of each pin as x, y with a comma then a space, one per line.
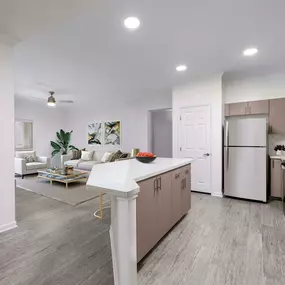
120, 178
281, 157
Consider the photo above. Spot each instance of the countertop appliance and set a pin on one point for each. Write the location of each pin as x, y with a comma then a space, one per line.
245, 158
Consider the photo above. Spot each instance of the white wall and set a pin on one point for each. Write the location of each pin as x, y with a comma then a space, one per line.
161, 137
242, 86
46, 122
207, 91
7, 185
132, 114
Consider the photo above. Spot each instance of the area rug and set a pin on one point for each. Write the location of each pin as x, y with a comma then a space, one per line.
75, 194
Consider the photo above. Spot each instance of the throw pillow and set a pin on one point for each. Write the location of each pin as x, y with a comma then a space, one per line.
124, 155
30, 159
87, 155
116, 156
107, 156
76, 154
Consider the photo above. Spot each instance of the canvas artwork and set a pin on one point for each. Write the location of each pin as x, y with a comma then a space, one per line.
95, 134
112, 133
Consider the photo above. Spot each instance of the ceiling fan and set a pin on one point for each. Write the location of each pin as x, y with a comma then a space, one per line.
43, 92
51, 102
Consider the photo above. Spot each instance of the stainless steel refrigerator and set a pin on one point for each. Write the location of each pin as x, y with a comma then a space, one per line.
245, 158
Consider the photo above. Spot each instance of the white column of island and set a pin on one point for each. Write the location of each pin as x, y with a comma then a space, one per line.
123, 181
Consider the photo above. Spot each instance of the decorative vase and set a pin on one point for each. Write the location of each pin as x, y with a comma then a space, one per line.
135, 151
279, 152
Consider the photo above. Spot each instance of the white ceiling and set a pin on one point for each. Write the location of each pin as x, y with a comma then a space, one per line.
21, 19
93, 55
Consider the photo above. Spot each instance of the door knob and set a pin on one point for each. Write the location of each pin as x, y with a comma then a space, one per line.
206, 154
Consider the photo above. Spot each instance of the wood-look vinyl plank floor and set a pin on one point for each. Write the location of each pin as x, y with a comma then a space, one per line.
220, 242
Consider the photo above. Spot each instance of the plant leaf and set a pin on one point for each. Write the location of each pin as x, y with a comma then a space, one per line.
55, 145
72, 147
56, 151
58, 136
67, 138
62, 135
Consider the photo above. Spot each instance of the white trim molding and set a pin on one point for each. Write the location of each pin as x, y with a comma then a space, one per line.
7, 227
217, 194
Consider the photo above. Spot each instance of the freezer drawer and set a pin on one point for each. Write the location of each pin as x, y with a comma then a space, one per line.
245, 173
246, 132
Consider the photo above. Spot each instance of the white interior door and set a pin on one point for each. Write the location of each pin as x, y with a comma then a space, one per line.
195, 143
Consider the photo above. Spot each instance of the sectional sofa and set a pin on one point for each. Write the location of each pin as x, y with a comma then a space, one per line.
66, 160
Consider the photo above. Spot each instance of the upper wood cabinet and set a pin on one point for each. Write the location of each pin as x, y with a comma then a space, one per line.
237, 109
258, 107
277, 116
247, 108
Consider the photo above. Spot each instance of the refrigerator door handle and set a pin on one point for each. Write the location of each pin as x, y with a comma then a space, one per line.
227, 142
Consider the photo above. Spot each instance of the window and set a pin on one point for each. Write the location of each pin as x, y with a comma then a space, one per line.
23, 135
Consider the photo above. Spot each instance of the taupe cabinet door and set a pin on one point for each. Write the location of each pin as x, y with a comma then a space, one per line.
247, 108
276, 176
186, 190
277, 116
176, 199
146, 217
163, 200
258, 107
238, 109
163, 204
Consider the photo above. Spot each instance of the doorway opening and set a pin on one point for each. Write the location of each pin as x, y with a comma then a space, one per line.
160, 132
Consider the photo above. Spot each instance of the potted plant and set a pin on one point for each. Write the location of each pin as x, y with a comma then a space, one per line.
62, 144
279, 149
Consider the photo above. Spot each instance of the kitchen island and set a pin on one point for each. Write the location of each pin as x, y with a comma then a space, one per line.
147, 200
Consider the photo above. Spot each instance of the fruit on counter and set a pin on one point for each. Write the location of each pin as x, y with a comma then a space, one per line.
145, 154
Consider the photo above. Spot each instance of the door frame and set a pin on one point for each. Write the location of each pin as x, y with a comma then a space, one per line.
181, 109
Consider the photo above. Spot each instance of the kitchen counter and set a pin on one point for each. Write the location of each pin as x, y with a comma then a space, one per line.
280, 157
122, 180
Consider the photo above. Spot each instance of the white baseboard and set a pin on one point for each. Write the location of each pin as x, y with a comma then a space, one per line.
7, 227
218, 194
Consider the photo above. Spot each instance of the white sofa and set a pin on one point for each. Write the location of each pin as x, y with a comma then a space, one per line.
23, 168
83, 164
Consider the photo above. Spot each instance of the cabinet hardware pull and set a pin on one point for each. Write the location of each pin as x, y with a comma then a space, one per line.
159, 184
155, 185
184, 183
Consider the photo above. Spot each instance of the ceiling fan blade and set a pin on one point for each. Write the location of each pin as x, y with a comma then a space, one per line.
37, 98
66, 101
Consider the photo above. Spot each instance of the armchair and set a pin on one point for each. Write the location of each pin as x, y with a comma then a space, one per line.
22, 167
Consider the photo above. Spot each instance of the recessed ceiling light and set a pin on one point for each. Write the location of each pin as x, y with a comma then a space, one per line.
250, 51
132, 23
181, 68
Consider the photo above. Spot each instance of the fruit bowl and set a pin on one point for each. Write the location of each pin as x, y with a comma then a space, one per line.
145, 157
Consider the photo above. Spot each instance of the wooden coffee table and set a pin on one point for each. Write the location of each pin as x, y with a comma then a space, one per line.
63, 177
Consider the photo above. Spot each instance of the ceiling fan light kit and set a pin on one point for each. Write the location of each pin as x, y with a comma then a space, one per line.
51, 100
